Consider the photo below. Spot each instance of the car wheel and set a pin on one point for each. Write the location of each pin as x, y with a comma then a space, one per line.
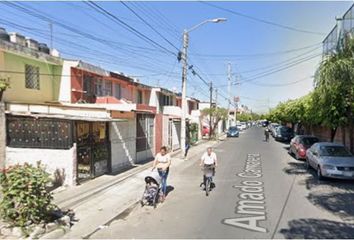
307, 165
319, 173
289, 151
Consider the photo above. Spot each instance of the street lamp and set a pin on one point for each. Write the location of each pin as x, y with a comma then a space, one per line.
184, 78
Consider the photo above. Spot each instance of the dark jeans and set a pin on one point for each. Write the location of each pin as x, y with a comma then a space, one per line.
163, 175
213, 169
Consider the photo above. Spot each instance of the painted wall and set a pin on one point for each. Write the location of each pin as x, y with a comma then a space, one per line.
158, 132
65, 83
49, 85
122, 137
58, 162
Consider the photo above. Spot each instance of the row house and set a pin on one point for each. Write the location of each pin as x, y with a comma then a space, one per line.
80, 120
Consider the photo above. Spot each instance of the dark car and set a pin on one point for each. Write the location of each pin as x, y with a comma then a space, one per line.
233, 132
284, 134
299, 145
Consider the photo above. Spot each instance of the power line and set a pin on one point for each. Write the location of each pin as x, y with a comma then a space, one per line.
262, 20
148, 24
282, 84
281, 69
127, 26
265, 54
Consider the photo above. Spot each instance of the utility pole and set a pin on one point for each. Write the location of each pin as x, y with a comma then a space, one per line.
51, 35
229, 92
184, 77
184, 92
216, 107
216, 98
211, 107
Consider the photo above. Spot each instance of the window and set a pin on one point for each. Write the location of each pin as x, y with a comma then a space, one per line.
117, 91
140, 97
88, 83
107, 91
103, 88
99, 88
25, 132
32, 77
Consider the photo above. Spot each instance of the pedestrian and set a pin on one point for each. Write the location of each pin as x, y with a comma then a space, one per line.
209, 159
266, 134
162, 163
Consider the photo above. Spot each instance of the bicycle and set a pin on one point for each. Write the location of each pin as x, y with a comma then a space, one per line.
208, 178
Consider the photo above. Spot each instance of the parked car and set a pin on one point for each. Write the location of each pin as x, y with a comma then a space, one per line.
243, 125
330, 160
284, 134
233, 132
300, 143
205, 130
273, 128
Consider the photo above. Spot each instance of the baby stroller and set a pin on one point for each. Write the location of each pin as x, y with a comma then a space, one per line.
152, 191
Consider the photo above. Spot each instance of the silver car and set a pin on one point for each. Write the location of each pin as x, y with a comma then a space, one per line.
330, 160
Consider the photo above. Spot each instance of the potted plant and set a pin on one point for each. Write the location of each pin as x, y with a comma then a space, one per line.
4, 84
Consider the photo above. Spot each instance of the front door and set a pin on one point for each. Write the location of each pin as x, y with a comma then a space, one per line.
92, 149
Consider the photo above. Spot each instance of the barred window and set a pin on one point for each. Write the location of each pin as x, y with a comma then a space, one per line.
103, 88
32, 77
117, 91
25, 132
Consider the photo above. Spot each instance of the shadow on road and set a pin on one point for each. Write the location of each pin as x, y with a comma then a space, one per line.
317, 229
295, 168
333, 195
340, 204
169, 189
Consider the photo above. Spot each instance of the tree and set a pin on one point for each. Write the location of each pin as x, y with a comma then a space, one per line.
335, 88
217, 114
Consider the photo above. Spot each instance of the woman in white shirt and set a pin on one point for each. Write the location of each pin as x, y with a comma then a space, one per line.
162, 162
209, 159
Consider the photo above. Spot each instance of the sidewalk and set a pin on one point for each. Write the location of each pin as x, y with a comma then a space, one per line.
99, 201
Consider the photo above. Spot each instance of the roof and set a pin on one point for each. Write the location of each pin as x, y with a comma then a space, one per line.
23, 51
330, 144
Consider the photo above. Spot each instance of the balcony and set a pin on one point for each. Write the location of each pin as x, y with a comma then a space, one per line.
172, 110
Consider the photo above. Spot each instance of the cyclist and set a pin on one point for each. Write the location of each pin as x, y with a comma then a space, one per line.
209, 160
266, 134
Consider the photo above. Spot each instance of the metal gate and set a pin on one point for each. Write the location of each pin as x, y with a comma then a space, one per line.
93, 153
144, 136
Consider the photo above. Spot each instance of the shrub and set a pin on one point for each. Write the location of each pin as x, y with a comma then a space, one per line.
25, 199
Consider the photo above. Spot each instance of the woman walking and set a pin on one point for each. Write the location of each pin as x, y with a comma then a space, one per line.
162, 162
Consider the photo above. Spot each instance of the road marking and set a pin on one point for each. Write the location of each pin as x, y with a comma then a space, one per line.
251, 206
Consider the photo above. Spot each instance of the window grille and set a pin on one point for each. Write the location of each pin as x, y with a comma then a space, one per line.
32, 77
25, 132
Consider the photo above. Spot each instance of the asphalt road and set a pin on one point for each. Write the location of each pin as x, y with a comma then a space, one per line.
261, 192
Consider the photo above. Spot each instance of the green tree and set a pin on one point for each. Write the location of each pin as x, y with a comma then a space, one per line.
335, 89
217, 114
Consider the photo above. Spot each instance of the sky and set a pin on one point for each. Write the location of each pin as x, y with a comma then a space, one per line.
271, 63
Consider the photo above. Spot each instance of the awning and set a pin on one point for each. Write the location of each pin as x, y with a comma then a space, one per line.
66, 117
144, 111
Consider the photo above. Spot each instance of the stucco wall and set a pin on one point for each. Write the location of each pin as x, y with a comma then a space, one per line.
122, 136
58, 162
49, 85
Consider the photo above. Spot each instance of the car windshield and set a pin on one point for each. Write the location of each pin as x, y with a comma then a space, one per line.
334, 151
232, 128
309, 141
284, 130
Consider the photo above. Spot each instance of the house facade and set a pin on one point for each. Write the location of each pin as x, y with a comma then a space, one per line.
79, 120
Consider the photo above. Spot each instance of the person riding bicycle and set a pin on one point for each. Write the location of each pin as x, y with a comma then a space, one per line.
266, 134
209, 160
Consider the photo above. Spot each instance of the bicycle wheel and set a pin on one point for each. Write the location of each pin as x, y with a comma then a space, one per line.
207, 186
